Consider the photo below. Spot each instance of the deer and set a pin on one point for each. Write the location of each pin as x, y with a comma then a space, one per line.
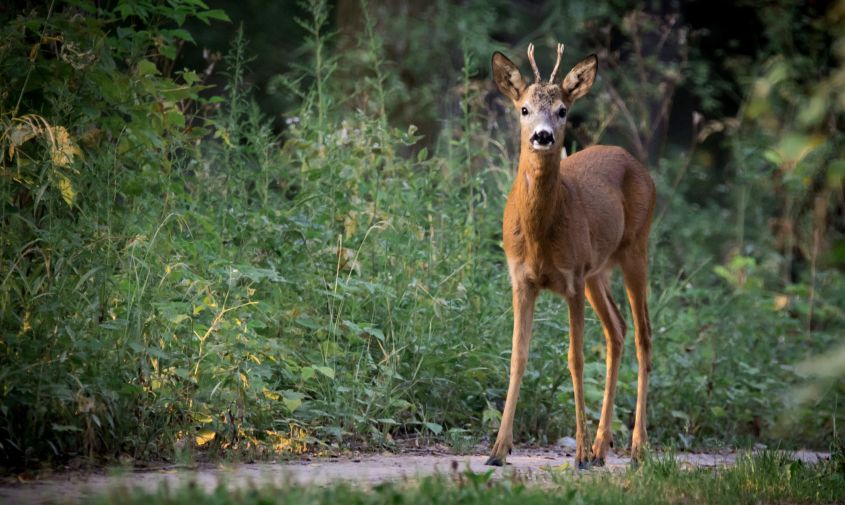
568, 221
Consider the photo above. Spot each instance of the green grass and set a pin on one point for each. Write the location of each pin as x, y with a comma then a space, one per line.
770, 478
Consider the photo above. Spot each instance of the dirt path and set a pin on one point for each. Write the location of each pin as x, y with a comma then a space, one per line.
532, 463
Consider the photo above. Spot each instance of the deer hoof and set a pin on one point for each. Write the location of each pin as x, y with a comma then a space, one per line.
583, 465
638, 456
495, 461
597, 462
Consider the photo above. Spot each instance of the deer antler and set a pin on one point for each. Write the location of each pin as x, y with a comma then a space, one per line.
557, 63
533, 63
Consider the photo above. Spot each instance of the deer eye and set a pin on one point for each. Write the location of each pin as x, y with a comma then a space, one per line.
524, 111
562, 112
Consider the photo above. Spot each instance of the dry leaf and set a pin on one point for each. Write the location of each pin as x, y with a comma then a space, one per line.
21, 133
62, 148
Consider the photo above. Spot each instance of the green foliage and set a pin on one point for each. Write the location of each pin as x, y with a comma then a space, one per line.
93, 126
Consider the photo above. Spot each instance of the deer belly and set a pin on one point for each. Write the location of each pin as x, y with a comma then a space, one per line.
558, 280
562, 282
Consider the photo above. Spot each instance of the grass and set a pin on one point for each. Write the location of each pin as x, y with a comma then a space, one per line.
768, 478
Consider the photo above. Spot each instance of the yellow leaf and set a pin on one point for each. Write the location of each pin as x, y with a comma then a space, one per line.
66, 188
203, 418
204, 437
26, 326
272, 395
62, 148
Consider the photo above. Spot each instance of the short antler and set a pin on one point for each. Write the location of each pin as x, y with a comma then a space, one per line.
557, 63
533, 63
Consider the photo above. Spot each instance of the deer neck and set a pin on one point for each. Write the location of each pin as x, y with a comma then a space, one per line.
538, 191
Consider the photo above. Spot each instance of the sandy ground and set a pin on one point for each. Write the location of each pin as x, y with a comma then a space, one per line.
533, 464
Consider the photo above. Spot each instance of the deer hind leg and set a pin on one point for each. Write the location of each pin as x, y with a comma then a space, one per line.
598, 293
524, 296
576, 369
635, 269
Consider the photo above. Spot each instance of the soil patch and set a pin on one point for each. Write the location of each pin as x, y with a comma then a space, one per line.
531, 464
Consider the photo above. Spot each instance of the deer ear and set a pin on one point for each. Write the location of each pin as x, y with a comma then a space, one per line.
580, 79
507, 76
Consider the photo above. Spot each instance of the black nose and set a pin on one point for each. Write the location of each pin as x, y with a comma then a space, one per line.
543, 137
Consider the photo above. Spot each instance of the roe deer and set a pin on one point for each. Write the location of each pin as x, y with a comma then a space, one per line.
567, 223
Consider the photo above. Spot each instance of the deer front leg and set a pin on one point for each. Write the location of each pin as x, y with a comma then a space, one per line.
576, 369
524, 296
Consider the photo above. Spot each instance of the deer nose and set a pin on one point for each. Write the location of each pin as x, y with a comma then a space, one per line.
543, 137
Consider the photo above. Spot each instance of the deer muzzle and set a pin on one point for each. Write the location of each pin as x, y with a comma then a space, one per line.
542, 139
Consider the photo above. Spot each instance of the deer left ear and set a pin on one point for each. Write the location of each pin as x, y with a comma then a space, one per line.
507, 76
580, 79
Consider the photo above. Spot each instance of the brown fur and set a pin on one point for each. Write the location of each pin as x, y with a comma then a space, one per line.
566, 224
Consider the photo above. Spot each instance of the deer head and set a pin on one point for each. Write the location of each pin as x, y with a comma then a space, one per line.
542, 107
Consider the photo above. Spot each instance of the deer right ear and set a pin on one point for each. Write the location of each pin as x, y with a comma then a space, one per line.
580, 79
507, 76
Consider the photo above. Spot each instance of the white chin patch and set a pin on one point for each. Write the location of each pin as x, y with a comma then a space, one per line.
540, 147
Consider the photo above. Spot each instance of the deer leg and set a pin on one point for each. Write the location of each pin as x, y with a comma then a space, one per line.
635, 269
524, 296
576, 369
598, 293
